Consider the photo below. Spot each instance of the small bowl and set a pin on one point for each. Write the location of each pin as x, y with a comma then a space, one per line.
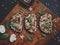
27, 4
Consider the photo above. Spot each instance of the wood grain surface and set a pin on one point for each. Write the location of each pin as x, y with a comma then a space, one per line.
36, 7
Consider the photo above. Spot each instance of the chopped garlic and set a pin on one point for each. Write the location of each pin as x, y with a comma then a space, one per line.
31, 30
27, 24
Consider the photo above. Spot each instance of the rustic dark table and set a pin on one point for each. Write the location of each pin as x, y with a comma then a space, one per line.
54, 5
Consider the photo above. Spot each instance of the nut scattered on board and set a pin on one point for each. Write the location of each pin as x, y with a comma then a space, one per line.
30, 8
22, 37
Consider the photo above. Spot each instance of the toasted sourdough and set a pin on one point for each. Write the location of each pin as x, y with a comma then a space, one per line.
30, 23
45, 23
16, 22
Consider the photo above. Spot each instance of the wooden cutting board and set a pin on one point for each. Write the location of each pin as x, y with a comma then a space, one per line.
36, 7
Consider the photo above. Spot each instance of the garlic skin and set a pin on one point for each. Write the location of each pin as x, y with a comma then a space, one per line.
2, 29
12, 38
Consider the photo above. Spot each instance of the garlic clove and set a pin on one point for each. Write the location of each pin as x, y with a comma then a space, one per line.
2, 29
12, 38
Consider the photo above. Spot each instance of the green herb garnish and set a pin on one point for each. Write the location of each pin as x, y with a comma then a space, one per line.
4, 36
30, 19
14, 25
47, 26
41, 12
8, 24
43, 34
21, 9
30, 38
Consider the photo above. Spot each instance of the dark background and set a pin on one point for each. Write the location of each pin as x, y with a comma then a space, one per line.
54, 5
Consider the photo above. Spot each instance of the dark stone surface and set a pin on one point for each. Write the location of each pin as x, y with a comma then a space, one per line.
5, 8
54, 41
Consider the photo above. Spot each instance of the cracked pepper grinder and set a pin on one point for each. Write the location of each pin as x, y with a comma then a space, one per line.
26, 3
